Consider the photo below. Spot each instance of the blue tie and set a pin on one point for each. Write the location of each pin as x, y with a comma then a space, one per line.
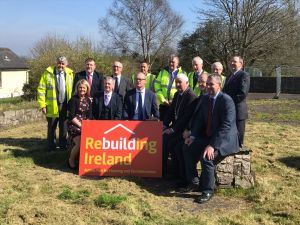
140, 107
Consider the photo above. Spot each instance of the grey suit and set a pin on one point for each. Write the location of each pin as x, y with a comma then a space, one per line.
124, 86
150, 108
223, 138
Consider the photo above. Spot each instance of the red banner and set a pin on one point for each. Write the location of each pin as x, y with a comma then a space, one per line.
121, 148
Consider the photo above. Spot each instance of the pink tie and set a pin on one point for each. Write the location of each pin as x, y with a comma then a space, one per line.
90, 79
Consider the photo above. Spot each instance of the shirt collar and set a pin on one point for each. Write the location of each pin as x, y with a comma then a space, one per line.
142, 91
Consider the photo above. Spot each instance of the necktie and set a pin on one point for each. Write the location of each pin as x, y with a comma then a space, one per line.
90, 78
209, 117
106, 100
140, 107
61, 85
116, 84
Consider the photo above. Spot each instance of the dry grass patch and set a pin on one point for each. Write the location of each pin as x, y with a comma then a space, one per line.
37, 188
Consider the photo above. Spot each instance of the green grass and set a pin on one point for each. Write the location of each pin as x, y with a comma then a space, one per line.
16, 103
109, 200
74, 196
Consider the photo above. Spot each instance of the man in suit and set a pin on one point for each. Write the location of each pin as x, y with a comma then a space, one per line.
108, 105
54, 91
122, 83
173, 127
237, 87
213, 136
94, 78
139, 102
194, 76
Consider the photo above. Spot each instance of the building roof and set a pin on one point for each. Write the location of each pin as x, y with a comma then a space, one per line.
9, 60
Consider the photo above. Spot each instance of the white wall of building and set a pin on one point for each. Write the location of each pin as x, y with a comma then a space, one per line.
12, 82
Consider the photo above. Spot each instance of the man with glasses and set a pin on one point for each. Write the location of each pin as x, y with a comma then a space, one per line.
54, 91
122, 83
139, 102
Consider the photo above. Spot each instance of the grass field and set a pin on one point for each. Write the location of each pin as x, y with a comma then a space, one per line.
37, 188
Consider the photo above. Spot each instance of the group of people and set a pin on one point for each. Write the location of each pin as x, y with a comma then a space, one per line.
203, 114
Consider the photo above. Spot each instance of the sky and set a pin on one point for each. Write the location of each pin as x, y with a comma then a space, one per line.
23, 23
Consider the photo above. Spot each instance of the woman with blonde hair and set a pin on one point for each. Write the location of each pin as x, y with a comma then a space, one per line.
79, 108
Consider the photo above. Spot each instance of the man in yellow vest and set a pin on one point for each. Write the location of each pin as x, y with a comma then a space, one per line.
164, 85
54, 92
144, 68
197, 63
217, 68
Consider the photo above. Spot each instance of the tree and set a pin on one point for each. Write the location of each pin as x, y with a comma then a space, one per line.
141, 28
256, 30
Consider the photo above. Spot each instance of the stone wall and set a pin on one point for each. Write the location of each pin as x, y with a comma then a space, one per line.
15, 117
235, 171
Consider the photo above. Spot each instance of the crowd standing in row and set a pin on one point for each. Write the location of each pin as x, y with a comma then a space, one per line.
203, 115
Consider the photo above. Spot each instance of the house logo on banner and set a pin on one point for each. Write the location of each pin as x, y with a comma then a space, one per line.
111, 148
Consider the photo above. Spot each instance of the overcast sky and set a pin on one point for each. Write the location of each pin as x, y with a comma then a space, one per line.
23, 23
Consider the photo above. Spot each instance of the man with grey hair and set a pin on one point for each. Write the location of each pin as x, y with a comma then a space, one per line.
217, 68
172, 129
54, 92
197, 63
164, 84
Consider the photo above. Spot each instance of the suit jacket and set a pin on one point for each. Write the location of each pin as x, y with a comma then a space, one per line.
237, 88
97, 82
115, 104
224, 134
150, 108
176, 113
125, 85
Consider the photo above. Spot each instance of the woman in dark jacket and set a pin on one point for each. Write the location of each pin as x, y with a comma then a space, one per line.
79, 108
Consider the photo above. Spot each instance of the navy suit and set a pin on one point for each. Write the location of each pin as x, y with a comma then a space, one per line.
150, 108
115, 107
237, 87
97, 82
224, 139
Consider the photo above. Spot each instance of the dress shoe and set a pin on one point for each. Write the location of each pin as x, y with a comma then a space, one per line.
204, 197
189, 188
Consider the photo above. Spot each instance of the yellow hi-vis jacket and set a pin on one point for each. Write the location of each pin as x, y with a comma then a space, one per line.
149, 81
46, 90
161, 85
195, 89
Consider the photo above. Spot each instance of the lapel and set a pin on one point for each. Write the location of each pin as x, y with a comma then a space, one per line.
134, 101
122, 84
56, 82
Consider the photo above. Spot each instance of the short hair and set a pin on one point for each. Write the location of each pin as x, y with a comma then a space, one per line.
197, 58
118, 63
172, 56
216, 64
140, 73
89, 60
109, 78
216, 77
204, 73
62, 59
183, 77
83, 82
240, 58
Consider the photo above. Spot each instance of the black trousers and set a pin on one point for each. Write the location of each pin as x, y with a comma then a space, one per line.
163, 109
62, 124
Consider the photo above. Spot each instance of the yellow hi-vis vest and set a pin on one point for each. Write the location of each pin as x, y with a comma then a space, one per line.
149, 81
161, 85
46, 90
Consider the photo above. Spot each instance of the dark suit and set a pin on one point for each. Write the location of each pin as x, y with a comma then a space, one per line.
97, 82
124, 86
175, 119
223, 138
237, 87
150, 108
113, 111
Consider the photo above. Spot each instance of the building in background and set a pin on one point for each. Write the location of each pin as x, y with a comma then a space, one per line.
13, 74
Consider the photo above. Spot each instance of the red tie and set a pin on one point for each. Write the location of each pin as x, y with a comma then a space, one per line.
90, 79
209, 117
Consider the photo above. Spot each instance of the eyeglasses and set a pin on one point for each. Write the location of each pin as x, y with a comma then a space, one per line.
139, 79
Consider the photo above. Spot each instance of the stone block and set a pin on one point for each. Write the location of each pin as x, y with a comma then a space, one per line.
245, 181
9, 114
